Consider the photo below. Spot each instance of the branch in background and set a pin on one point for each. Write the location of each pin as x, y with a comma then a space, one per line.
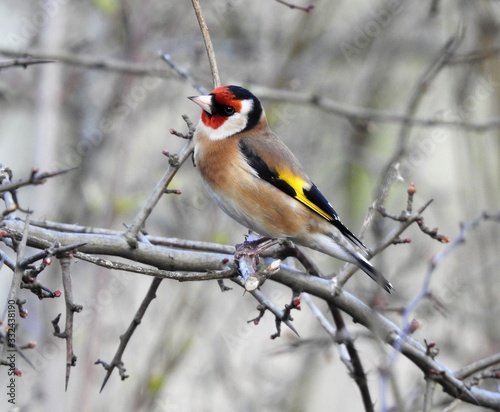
391, 170
35, 178
477, 366
424, 292
23, 62
406, 215
364, 114
93, 62
353, 113
307, 9
407, 218
9, 186
183, 73
475, 56
358, 372
430, 386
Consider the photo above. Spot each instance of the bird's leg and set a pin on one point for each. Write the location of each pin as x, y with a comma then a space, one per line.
246, 257
254, 247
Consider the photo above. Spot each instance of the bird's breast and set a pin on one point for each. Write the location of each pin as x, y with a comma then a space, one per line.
248, 199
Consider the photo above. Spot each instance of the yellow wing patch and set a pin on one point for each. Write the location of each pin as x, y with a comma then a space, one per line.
297, 183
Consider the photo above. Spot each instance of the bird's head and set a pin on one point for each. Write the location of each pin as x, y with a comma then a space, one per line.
229, 110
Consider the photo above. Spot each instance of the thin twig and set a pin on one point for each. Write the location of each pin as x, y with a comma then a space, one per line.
269, 305
49, 252
208, 43
94, 62
477, 366
183, 73
24, 63
354, 113
364, 114
307, 9
35, 178
125, 338
425, 289
133, 229
475, 56
391, 171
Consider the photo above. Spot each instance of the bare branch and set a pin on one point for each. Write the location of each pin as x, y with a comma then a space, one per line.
71, 308
281, 316
477, 366
183, 73
35, 178
208, 43
24, 63
475, 56
430, 386
133, 230
163, 274
18, 272
364, 114
125, 338
93, 62
388, 332
358, 372
391, 170
307, 9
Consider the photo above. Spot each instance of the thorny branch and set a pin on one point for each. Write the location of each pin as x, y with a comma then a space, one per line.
137, 224
406, 218
322, 288
125, 338
162, 187
71, 308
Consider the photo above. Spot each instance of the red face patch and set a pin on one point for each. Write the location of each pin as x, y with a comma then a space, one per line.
224, 97
213, 121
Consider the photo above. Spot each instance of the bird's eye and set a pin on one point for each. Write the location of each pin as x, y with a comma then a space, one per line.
228, 110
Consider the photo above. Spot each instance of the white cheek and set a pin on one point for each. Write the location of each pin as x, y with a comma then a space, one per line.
234, 124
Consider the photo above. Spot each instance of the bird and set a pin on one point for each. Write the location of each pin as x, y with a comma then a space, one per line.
256, 180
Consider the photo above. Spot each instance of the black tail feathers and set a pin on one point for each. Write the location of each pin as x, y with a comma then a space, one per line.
375, 274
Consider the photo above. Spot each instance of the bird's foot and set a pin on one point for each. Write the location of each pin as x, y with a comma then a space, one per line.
247, 259
253, 248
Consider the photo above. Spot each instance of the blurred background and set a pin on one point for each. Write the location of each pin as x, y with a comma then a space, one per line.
194, 351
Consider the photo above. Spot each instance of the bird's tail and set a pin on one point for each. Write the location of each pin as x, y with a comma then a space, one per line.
367, 267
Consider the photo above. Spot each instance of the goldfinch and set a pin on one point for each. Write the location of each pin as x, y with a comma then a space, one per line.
257, 181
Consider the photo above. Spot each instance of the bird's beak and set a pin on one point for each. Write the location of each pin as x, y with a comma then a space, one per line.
205, 102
